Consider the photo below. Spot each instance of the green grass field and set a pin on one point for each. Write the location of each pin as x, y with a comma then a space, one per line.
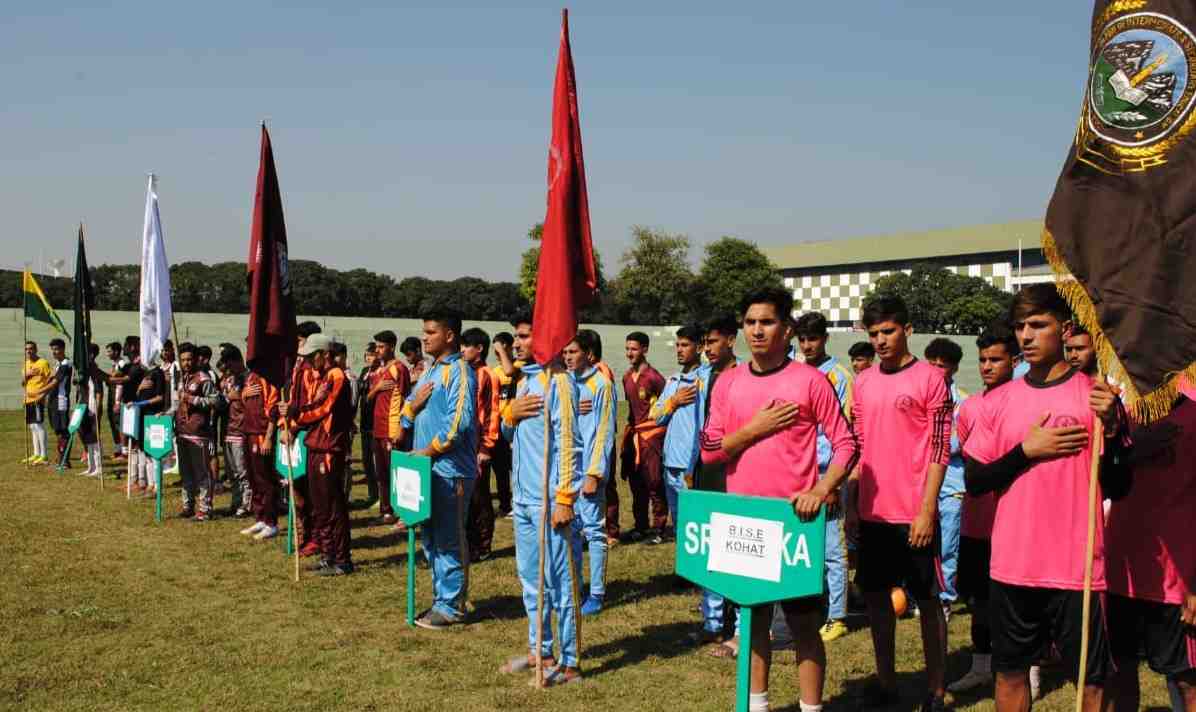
102, 609
212, 329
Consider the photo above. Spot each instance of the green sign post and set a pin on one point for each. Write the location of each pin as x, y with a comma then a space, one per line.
291, 462
411, 498
158, 443
753, 551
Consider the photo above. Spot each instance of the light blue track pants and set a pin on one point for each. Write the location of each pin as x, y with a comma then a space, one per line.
950, 520
560, 584
592, 512
444, 545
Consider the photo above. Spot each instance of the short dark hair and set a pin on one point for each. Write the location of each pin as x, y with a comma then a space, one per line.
996, 333
32, 343
885, 308
504, 338
725, 324
168, 344
339, 348
590, 342
370, 347
946, 349
230, 352
810, 324
1039, 299
385, 337
187, 348
1077, 329
693, 332
132, 343
307, 328
474, 336
862, 349
93, 350
57, 342
523, 317
447, 318
204, 351
114, 345
781, 299
410, 344
640, 338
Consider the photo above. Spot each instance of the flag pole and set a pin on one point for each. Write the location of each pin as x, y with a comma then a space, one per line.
1098, 442
543, 543
24, 366
293, 534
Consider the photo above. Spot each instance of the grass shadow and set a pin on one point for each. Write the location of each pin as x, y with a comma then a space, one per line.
653, 641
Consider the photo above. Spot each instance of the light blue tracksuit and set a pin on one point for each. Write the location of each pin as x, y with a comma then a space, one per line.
840, 378
683, 427
951, 506
598, 440
447, 426
564, 474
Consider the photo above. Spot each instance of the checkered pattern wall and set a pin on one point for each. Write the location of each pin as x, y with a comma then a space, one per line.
839, 296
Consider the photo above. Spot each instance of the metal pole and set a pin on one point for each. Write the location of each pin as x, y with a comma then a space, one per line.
158, 489
411, 576
743, 678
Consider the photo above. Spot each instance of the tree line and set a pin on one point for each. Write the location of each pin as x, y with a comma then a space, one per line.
655, 284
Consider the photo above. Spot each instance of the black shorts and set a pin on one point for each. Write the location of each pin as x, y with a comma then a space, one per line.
886, 560
1026, 621
35, 413
975, 556
1170, 645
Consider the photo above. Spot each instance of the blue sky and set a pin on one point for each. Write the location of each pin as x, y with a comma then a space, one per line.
412, 140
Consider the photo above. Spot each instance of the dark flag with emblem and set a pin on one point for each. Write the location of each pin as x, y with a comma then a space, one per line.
271, 345
567, 276
85, 301
1122, 220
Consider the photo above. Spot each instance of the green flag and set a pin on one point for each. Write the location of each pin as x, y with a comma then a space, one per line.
37, 307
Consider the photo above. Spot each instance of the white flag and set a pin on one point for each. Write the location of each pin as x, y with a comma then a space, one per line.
155, 281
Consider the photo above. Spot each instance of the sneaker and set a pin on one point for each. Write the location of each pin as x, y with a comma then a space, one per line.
509, 515
266, 532
318, 566
654, 539
833, 630
480, 556
946, 612
386, 519
636, 535
38, 460
309, 549
592, 605
253, 528
201, 517
241, 513
184, 513
27, 460
1035, 682
172, 470
972, 680
432, 619
336, 570
612, 541
934, 704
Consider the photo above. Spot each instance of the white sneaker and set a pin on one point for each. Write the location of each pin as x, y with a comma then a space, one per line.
267, 532
971, 681
172, 470
1035, 682
253, 528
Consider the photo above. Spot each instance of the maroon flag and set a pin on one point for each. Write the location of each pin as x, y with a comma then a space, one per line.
271, 344
567, 277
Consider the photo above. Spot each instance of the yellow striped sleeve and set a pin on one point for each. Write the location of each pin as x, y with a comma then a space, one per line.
437, 445
564, 490
598, 457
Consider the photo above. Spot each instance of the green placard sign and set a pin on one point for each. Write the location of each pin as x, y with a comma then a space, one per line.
130, 419
411, 486
159, 435
296, 455
411, 498
754, 551
78, 413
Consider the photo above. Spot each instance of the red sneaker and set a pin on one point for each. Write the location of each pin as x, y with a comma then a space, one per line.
309, 549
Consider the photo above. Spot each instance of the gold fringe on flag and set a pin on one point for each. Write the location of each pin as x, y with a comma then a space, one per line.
1145, 408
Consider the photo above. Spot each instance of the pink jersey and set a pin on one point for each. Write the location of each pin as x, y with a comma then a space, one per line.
978, 512
1040, 531
903, 422
1150, 549
786, 462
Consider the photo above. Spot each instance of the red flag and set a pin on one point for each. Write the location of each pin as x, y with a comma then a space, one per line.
567, 277
271, 344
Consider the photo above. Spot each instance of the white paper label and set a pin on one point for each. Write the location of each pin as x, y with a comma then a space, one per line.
290, 455
157, 437
405, 482
128, 422
745, 546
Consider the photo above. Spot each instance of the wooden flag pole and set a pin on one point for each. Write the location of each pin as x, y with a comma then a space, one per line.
24, 363
1098, 442
543, 542
294, 533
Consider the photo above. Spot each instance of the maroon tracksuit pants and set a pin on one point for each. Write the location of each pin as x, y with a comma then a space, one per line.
329, 504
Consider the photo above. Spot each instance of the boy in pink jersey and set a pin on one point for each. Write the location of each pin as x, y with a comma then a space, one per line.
1031, 446
902, 413
1150, 557
998, 350
765, 417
